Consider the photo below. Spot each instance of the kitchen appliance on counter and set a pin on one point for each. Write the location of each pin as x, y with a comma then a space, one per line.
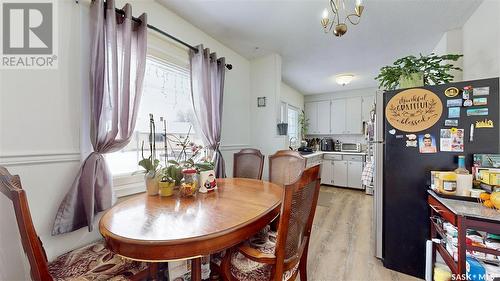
337, 146
326, 144
350, 147
402, 172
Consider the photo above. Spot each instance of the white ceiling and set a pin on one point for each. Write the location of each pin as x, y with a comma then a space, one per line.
389, 29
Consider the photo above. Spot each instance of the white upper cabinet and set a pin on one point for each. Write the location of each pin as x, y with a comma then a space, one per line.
338, 116
353, 122
311, 112
318, 115
323, 117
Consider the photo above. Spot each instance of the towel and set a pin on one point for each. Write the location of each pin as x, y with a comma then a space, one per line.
367, 175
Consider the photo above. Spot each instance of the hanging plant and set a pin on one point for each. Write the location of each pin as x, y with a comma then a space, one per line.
431, 69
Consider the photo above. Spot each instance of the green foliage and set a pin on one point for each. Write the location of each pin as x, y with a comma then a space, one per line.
434, 70
304, 124
173, 172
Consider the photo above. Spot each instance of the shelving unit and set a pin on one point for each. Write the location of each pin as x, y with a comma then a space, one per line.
463, 215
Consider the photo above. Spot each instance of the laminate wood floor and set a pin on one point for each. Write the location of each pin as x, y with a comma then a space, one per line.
341, 246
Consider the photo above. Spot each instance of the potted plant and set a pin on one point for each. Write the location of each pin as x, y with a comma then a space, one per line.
304, 124
151, 165
412, 71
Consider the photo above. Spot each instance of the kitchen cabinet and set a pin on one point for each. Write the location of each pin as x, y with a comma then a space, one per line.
353, 122
327, 172
338, 109
346, 116
342, 170
354, 171
318, 115
340, 173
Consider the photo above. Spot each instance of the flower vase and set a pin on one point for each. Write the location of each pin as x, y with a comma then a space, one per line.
151, 183
166, 188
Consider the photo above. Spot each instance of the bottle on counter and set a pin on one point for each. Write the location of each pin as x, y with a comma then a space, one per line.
464, 178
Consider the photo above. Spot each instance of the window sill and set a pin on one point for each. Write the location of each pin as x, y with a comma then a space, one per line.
128, 185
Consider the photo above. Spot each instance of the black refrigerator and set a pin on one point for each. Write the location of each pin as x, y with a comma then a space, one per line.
406, 170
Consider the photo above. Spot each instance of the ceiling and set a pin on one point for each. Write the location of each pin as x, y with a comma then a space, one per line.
389, 29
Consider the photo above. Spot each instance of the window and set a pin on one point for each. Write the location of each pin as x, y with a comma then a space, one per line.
293, 122
166, 95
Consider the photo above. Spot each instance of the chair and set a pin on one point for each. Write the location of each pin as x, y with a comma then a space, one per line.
248, 163
279, 255
92, 262
285, 166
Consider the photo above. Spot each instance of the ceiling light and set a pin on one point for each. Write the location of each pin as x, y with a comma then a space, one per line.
338, 8
344, 79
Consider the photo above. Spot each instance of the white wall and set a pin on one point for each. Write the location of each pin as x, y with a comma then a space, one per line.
40, 117
291, 96
451, 43
478, 40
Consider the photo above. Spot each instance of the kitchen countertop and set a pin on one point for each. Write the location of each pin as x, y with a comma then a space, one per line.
467, 208
317, 153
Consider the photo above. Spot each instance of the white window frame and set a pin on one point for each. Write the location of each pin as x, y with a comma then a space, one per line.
298, 116
160, 50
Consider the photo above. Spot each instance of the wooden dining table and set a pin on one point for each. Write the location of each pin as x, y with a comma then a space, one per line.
159, 229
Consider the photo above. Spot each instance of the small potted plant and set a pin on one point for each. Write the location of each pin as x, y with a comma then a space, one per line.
412, 71
150, 164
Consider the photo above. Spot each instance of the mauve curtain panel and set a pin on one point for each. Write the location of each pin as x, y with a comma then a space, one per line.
207, 89
118, 61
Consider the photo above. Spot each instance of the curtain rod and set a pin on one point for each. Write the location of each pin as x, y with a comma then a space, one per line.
122, 13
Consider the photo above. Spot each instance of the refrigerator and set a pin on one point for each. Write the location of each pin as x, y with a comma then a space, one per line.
402, 173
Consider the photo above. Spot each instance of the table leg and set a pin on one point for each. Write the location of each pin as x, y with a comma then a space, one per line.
196, 269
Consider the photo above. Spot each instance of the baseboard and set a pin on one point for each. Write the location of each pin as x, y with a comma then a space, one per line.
38, 158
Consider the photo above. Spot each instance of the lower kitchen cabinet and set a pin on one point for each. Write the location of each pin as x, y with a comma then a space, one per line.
342, 170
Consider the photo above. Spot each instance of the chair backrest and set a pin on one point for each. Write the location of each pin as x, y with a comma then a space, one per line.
11, 187
285, 167
297, 213
248, 163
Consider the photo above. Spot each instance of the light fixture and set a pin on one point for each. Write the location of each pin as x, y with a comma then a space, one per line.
339, 25
344, 79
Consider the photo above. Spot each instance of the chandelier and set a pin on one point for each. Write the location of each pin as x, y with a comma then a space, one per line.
340, 17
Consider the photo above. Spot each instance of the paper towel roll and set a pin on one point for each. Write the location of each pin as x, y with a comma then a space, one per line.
464, 184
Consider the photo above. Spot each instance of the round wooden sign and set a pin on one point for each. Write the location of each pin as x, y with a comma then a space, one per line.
414, 110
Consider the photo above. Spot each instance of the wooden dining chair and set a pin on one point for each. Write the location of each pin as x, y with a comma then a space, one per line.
92, 262
248, 163
285, 166
279, 255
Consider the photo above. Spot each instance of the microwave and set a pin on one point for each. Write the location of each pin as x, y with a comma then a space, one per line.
350, 147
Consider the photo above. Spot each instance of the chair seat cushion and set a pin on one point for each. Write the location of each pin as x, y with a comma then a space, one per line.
94, 262
242, 268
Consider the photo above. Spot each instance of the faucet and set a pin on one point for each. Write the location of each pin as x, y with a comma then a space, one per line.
292, 139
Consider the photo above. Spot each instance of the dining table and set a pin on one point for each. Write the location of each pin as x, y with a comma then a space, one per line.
161, 229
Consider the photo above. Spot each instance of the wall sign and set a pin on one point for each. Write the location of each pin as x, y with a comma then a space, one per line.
414, 110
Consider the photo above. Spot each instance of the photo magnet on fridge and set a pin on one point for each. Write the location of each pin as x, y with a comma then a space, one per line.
452, 140
451, 122
427, 144
454, 112
481, 91
477, 111
454, 102
480, 101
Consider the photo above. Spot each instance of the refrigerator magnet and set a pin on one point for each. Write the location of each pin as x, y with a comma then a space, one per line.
451, 92
451, 122
477, 111
454, 112
427, 144
411, 141
466, 92
480, 101
454, 102
486, 123
481, 91
467, 103
452, 140
392, 132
